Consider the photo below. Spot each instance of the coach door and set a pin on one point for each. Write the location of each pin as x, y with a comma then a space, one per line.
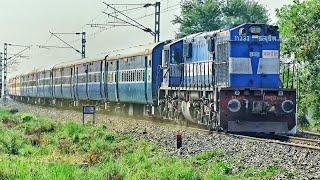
165, 63
101, 80
106, 68
71, 82
117, 80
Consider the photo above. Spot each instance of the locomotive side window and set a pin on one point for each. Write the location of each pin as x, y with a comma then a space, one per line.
166, 58
211, 45
189, 50
176, 56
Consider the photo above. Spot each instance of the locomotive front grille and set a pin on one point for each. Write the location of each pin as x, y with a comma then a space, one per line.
262, 107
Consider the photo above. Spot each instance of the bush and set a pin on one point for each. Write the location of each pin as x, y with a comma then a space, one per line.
39, 126
303, 121
10, 121
12, 146
73, 129
14, 111
27, 117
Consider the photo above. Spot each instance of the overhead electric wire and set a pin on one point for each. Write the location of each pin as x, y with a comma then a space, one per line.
114, 4
145, 28
65, 42
20, 52
131, 9
47, 47
102, 29
168, 9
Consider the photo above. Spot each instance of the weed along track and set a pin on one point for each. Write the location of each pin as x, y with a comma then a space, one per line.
37, 147
235, 150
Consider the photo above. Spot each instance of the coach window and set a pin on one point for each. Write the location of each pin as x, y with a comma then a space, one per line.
138, 75
142, 75
65, 80
93, 77
132, 75
127, 76
97, 77
132, 78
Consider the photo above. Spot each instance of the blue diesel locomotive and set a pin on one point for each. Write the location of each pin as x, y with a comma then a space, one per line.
227, 79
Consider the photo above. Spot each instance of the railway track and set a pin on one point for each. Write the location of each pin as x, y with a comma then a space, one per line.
292, 141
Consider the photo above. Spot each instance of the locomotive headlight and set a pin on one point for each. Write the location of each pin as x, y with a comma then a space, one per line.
287, 106
234, 105
255, 30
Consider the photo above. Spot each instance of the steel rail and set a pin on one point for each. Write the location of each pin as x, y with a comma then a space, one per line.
269, 140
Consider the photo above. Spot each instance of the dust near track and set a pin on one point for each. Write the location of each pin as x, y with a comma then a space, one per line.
304, 162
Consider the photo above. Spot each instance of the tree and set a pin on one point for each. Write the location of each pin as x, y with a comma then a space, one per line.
214, 14
300, 31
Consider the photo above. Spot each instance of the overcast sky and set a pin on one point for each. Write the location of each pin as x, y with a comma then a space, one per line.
27, 22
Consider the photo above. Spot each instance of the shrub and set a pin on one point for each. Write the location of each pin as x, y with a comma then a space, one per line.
12, 146
14, 111
73, 129
317, 124
109, 138
10, 122
27, 117
65, 146
35, 140
39, 126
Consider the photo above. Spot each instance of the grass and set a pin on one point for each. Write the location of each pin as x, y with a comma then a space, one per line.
40, 148
312, 125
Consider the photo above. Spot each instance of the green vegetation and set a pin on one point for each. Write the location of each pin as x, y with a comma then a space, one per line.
300, 30
213, 15
39, 148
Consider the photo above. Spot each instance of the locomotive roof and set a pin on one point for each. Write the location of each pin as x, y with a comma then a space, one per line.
178, 40
200, 34
113, 55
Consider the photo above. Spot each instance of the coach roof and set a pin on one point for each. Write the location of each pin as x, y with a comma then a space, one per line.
113, 55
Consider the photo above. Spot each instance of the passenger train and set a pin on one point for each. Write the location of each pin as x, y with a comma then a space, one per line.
227, 79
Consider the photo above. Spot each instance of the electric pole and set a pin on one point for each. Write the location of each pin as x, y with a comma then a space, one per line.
1, 74
4, 84
157, 22
83, 41
4, 68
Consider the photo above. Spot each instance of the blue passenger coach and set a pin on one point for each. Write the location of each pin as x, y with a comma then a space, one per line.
130, 76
